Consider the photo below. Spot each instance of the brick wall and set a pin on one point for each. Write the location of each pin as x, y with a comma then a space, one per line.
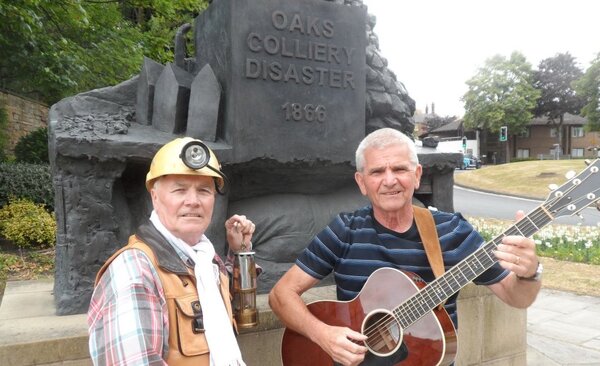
540, 142
24, 116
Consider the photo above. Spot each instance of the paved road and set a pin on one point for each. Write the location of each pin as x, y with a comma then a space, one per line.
481, 204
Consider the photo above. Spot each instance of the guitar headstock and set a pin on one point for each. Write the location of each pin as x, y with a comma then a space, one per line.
577, 193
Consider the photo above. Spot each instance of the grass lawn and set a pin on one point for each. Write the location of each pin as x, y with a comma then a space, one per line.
579, 278
525, 179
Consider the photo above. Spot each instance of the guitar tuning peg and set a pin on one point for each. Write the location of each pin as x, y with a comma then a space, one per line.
552, 187
570, 174
587, 162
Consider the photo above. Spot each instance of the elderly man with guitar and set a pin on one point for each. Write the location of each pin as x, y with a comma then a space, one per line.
398, 269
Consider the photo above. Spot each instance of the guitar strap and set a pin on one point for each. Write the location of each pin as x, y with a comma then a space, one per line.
431, 242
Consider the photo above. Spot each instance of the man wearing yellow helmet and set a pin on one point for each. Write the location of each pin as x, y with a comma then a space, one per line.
164, 298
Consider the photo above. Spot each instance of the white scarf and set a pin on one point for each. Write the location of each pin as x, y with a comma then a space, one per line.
224, 350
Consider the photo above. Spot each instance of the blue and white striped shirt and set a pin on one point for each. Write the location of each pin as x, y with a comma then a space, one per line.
354, 245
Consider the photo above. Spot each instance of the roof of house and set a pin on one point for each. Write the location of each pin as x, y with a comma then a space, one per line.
569, 119
452, 126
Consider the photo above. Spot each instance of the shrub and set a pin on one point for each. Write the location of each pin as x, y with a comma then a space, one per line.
33, 147
27, 224
516, 160
31, 181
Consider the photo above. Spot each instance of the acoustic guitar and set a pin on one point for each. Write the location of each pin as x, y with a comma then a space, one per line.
399, 312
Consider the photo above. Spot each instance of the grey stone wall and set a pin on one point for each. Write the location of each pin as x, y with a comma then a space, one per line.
24, 116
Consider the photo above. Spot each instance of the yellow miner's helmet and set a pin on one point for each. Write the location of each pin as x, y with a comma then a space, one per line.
186, 156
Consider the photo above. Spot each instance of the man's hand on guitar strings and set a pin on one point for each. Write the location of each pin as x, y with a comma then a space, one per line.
517, 254
343, 345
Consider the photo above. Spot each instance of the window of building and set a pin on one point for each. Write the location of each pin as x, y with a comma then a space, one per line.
525, 133
556, 151
522, 153
576, 131
577, 153
553, 132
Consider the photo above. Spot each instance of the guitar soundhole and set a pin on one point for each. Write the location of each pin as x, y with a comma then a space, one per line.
384, 332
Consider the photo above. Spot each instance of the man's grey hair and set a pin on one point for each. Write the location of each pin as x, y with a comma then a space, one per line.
381, 138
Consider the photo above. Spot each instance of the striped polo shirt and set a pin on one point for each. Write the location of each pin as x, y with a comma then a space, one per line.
354, 245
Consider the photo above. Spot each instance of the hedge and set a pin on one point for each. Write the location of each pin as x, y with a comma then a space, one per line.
29, 181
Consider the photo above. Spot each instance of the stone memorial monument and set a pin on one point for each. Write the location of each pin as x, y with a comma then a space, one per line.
281, 90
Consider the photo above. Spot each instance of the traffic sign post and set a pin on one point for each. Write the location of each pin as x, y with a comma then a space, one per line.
503, 133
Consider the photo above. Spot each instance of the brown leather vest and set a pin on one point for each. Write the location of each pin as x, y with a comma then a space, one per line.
187, 346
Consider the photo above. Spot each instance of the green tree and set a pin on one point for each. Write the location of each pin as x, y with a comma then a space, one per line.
554, 78
158, 20
53, 48
588, 87
50, 49
501, 94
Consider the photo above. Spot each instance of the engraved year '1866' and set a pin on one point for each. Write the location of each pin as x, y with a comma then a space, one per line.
307, 112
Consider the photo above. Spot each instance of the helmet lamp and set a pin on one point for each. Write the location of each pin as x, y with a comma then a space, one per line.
195, 155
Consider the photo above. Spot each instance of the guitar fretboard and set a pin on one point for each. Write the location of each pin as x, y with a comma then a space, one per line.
437, 291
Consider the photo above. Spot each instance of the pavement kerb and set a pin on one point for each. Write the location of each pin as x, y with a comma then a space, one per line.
499, 193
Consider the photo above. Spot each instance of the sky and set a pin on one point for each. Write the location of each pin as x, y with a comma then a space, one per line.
435, 46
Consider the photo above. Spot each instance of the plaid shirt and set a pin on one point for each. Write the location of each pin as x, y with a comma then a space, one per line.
128, 318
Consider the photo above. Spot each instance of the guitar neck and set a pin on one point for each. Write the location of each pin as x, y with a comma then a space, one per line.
440, 289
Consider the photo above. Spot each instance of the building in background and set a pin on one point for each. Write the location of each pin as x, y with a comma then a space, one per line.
539, 141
